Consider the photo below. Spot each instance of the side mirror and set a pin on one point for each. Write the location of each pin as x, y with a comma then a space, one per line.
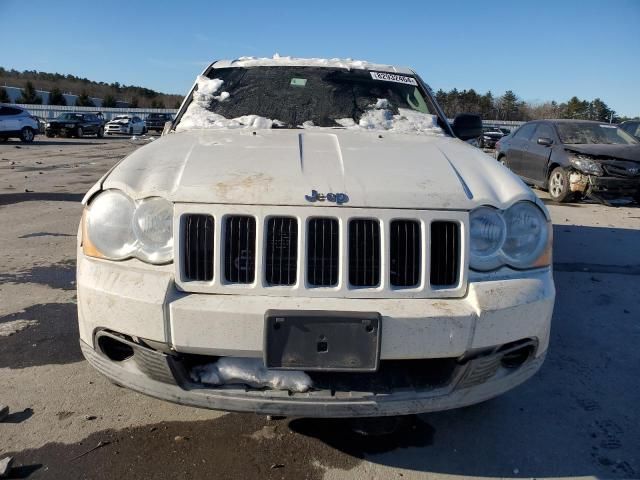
545, 141
167, 127
467, 126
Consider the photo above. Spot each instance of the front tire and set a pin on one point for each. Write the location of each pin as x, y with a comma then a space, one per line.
27, 135
559, 190
130, 130
100, 133
80, 132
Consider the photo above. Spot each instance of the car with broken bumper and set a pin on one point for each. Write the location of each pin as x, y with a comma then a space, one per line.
574, 159
311, 239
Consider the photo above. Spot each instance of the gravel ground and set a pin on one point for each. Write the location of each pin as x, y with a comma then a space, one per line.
576, 418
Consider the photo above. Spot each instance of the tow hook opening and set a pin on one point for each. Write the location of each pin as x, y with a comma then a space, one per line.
515, 355
114, 349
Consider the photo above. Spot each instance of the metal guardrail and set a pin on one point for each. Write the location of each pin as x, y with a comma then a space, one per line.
52, 111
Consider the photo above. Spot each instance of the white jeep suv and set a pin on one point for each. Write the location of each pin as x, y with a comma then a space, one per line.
311, 239
16, 122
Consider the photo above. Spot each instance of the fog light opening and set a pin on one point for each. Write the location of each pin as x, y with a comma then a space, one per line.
516, 358
115, 350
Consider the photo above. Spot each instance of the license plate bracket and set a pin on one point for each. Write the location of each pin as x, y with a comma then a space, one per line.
322, 341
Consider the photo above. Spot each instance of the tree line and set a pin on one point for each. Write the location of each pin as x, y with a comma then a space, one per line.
510, 107
56, 84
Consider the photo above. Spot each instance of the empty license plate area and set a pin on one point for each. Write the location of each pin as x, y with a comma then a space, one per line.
316, 340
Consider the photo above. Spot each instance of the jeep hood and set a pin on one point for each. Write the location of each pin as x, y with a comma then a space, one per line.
622, 152
280, 167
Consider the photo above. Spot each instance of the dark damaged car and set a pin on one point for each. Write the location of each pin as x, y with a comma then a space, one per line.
573, 159
490, 136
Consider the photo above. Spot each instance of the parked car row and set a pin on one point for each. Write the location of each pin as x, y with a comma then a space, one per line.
16, 122
573, 159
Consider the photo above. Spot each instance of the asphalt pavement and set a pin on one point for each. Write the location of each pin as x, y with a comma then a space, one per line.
578, 417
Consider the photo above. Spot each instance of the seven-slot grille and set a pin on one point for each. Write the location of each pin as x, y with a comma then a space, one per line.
198, 247
364, 253
322, 252
404, 253
281, 251
240, 249
445, 253
346, 253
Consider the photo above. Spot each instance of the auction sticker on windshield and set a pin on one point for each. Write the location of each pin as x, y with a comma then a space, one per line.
392, 77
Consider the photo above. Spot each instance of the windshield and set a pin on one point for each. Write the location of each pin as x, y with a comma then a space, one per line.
70, 116
593, 133
121, 117
305, 97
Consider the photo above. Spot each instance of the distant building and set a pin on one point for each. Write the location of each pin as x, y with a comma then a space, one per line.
15, 93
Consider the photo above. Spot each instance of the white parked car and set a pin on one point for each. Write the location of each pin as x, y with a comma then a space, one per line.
16, 122
311, 239
125, 125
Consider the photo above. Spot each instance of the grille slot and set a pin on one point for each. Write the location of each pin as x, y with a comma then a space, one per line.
281, 253
240, 249
198, 247
445, 253
364, 253
322, 252
404, 253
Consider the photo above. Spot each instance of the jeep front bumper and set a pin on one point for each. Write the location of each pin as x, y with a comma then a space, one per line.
164, 329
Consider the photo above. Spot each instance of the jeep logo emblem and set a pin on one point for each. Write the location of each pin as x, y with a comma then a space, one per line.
338, 198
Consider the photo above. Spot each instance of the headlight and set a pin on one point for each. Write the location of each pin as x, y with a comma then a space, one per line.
116, 228
586, 165
519, 237
48, 124
488, 231
527, 234
153, 227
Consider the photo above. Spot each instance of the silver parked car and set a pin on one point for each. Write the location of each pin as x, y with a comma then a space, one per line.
16, 122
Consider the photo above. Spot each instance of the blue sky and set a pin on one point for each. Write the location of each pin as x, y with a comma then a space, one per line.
543, 50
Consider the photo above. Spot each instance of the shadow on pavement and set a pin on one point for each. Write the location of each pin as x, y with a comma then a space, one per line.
11, 198
52, 337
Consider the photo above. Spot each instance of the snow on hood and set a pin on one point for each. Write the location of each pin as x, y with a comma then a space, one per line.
120, 120
381, 117
251, 372
280, 167
278, 60
378, 117
198, 114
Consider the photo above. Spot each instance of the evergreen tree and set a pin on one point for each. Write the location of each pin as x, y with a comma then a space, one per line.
576, 109
29, 95
84, 100
599, 111
134, 102
109, 101
157, 104
509, 106
4, 96
56, 97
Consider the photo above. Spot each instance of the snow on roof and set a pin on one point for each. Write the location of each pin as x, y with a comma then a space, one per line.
277, 60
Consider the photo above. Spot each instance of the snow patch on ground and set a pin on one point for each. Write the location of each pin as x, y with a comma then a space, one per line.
198, 114
9, 328
251, 372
